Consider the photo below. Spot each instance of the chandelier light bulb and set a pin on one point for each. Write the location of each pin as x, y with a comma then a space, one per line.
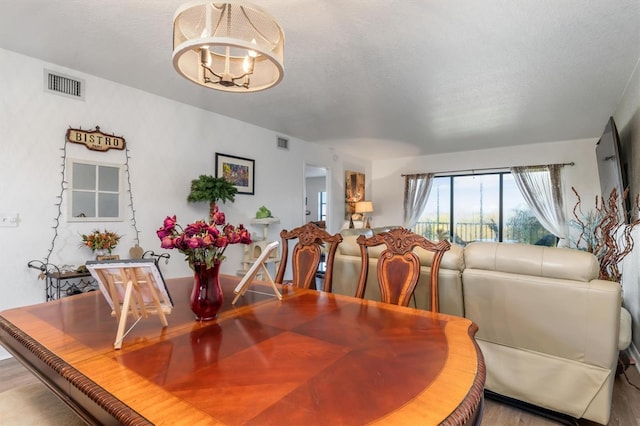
205, 56
247, 65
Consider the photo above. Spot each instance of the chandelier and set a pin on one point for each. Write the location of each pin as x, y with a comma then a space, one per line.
234, 47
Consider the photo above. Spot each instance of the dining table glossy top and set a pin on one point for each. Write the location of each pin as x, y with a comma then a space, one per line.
313, 358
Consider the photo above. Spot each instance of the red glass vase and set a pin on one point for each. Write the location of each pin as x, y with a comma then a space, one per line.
206, 296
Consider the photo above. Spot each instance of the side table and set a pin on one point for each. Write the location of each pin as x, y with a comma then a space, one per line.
253, 251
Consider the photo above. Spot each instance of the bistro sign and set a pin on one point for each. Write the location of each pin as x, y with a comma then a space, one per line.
95, 139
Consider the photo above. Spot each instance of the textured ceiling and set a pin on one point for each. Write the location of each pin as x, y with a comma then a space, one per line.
378, 79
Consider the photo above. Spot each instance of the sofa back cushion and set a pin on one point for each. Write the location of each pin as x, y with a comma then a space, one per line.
356, 232
525, 259
349, 246
452, 259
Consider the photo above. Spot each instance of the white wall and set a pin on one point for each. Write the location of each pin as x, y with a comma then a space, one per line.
627, 117
388, 184
170, 144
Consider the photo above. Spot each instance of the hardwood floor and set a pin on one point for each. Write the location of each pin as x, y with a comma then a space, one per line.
13, 374
626, 400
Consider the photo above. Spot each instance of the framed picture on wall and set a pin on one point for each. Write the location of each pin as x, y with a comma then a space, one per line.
237, 170
353, 192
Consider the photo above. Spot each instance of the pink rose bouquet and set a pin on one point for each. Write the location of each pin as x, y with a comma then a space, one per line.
200, 241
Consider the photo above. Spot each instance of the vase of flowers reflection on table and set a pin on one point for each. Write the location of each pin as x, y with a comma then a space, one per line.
203, 244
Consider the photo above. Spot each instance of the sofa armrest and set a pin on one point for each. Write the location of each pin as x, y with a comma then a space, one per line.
561, 318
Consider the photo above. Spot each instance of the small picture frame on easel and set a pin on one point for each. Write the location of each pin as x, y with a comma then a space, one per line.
132, 287
245, 282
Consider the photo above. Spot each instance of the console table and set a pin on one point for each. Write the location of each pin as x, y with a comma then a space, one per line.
60, 283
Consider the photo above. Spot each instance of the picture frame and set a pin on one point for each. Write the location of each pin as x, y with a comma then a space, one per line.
132, 287
237, 170
103, 270
243, 285
353, 192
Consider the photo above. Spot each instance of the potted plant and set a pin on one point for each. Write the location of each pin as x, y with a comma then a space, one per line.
211, 189
101, 242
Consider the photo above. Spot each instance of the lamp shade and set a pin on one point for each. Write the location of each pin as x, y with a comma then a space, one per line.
364, 207
232, 46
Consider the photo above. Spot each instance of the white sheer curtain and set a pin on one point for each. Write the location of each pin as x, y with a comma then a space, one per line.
541, 187
416, 193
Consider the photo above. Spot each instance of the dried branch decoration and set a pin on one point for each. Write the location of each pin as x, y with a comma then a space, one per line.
605, 233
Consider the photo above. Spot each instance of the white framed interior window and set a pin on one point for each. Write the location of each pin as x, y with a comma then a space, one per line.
95, 191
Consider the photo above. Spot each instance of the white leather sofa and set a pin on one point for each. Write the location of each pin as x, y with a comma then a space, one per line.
549, 330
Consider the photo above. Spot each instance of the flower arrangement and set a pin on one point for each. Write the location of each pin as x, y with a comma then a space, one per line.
105, 240
200, 241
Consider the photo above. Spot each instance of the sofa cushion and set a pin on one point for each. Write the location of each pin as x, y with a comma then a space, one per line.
452, 259
349, 246
356, 232
380, 229
525, 259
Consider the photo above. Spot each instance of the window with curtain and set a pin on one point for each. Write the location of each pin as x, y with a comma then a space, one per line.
479, 207
541, 187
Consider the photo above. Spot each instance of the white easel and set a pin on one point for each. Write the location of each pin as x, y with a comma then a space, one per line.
134, 288
242, 287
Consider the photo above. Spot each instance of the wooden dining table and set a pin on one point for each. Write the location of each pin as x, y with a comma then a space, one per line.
312, 358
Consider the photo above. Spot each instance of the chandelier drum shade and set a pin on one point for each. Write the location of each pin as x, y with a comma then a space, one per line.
233, 46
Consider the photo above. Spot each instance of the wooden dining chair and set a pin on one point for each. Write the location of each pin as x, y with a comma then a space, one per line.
313, 242
398, 266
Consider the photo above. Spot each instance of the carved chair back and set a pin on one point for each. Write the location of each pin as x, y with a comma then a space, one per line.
307, 254
398, 265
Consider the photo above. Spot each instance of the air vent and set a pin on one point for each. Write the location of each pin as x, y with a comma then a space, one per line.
283, 143
64, 85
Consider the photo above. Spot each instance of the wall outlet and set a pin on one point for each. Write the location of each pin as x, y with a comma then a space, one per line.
9, 220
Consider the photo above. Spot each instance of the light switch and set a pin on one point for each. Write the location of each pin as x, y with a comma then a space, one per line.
9, 220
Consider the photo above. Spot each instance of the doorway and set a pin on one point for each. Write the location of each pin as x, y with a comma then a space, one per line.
316, 205
316, 194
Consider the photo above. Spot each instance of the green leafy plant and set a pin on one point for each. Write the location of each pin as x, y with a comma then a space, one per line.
211, 189
263, 213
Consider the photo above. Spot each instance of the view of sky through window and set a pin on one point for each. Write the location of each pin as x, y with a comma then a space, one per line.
484, 207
